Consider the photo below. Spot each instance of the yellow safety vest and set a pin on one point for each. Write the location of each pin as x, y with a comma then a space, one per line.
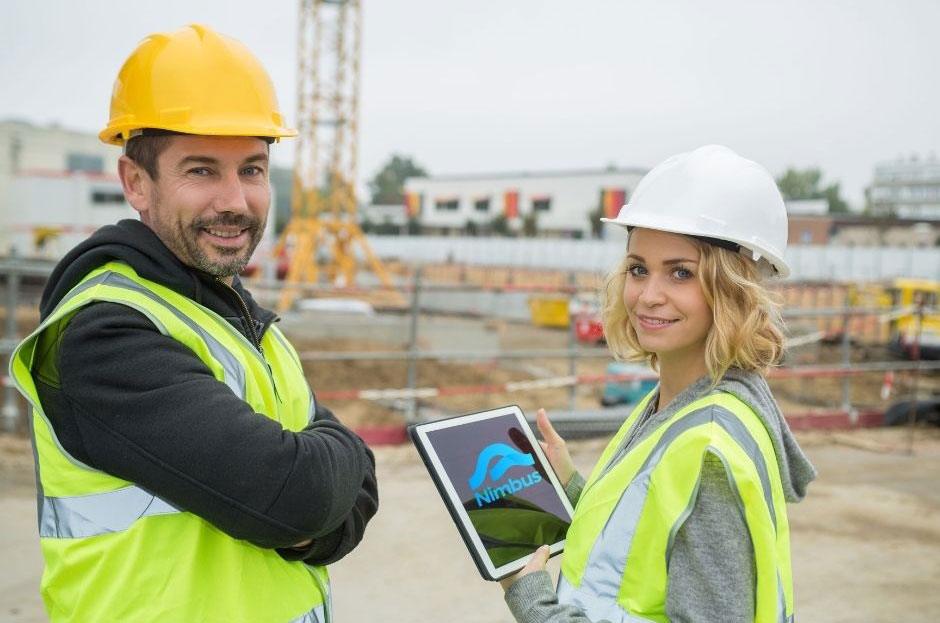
115, 552
620, 541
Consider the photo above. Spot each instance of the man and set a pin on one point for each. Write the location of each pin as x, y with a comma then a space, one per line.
185, 471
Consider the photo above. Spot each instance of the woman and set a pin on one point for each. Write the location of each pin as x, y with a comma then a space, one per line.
683, 518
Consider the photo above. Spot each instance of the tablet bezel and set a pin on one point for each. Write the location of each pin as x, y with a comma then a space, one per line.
452, 500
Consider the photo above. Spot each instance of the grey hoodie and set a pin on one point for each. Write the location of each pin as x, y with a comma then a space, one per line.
711, 571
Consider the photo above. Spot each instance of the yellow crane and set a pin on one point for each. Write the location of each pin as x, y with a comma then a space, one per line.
323, 228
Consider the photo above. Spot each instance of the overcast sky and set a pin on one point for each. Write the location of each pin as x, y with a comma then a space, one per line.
513, 85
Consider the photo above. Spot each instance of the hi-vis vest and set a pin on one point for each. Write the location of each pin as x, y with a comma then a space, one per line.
620, 541
115, 552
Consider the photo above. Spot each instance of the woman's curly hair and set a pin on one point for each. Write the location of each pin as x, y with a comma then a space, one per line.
746, 332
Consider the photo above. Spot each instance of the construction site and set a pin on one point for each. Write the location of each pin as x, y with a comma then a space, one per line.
390, 336
874, 510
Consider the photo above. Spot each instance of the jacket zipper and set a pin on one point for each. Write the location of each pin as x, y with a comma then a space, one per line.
253, 335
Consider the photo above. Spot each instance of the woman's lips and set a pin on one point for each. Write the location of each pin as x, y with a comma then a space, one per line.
652, 323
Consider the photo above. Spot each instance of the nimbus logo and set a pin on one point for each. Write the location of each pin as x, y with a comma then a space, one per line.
508, 457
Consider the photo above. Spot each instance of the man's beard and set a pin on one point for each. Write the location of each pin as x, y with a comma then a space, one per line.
183, 240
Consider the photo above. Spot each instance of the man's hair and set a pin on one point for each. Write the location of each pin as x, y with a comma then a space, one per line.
746, 330
145, 150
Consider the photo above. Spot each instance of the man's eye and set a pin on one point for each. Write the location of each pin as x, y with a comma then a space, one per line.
199, 171
252, 170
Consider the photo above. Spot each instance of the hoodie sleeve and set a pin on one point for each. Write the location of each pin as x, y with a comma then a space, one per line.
139, 405
346, 537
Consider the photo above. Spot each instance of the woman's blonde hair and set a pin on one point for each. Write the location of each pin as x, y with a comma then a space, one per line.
746, 332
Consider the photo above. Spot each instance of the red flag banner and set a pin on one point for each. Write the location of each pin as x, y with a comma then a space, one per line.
511, 204
412, 204
614, 198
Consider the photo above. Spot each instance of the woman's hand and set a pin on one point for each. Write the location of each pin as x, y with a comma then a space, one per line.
536, 563
555, 448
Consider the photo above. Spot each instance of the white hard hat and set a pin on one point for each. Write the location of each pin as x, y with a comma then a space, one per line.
713, 193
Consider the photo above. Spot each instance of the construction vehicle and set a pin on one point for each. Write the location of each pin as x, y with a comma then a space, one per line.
549, 311
916, 335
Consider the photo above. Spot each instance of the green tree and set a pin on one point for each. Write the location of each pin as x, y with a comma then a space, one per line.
387, 187
594, 218
413, 226
799, 184
471, 228
499, 226
530, 225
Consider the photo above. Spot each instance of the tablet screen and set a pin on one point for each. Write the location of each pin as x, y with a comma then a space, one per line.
503, 484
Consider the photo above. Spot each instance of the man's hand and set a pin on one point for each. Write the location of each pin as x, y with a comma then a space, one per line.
555, 448
537, 563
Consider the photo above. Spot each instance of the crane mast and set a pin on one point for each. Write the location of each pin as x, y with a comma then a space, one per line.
323, 228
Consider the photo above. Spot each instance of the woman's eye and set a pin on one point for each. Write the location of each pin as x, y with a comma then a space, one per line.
636, 270
683, 273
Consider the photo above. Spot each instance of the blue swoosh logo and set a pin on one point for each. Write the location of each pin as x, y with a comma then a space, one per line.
509, 457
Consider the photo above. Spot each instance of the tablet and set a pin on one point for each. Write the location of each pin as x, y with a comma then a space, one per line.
498, 485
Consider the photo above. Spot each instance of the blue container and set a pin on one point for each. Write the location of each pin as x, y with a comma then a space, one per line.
626, 392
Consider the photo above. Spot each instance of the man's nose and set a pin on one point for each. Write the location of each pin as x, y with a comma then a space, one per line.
231, 196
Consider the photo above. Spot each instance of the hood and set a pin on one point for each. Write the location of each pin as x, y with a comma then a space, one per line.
796, 472
135, 244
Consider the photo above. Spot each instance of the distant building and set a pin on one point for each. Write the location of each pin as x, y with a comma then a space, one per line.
863, 231
809, 229
561, 203
906, 188
28, 149
51, 212
383, 217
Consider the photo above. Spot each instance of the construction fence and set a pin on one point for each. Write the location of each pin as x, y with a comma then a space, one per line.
456, 338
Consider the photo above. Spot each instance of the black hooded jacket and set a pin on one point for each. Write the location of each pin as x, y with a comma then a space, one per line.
125, 399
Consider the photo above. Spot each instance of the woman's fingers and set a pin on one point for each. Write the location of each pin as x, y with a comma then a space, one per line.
548, 431
538, 560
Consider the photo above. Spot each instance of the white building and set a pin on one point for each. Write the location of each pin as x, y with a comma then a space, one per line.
561, 202
907, 188
31, 156
49, 213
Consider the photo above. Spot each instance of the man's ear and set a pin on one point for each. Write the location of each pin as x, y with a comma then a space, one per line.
137, 185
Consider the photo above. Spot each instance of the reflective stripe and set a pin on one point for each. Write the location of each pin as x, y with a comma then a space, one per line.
603, 574
317, 615
99, 513
596, 610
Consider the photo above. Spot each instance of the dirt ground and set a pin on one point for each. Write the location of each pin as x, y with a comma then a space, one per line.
866, 541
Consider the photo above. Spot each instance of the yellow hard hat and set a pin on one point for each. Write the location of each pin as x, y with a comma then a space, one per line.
193, 81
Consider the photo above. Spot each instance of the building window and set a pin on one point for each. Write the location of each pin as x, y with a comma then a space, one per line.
84, 162
106, 197
482, 205
446, 205
541, 204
